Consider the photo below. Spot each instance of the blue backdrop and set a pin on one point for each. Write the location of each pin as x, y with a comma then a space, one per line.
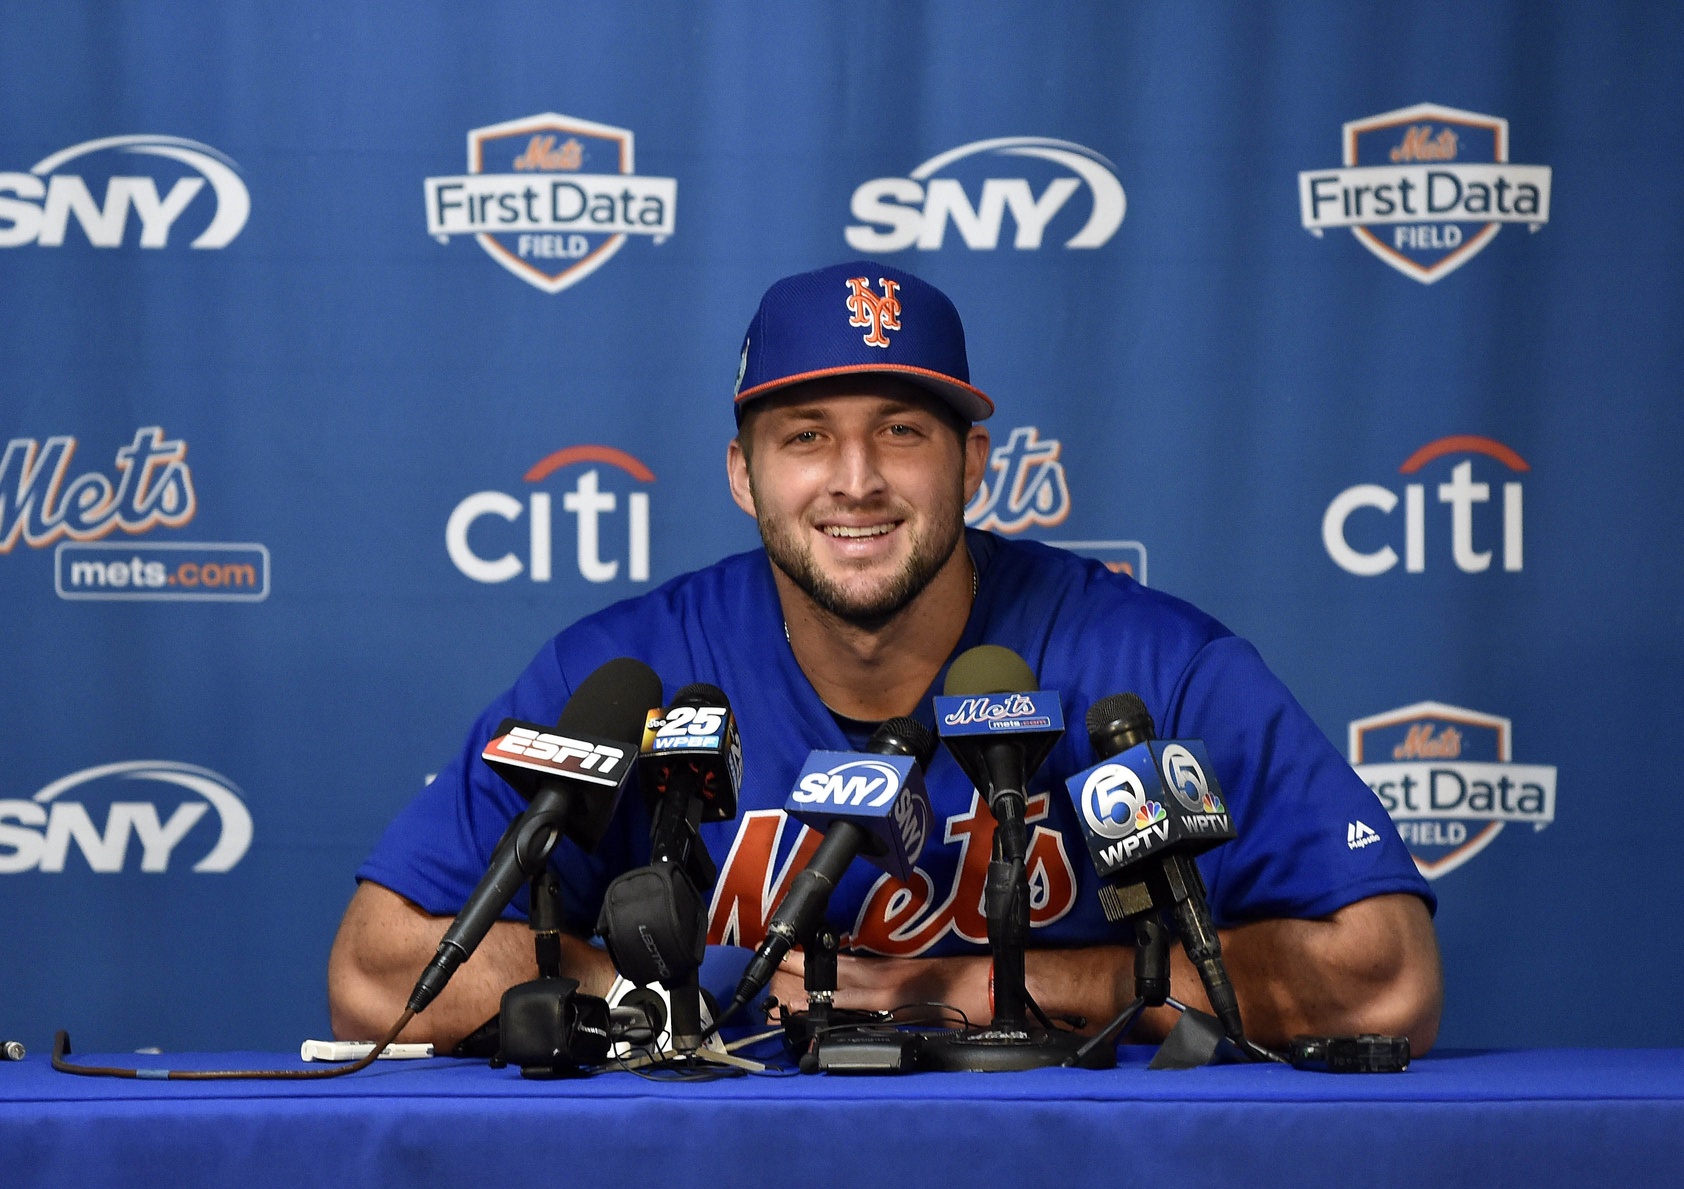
327, 335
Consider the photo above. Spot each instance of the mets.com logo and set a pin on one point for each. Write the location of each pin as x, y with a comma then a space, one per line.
1425, 188
159, 180
914, 211
1026, 488
155, 806
41, 505
551, 198
1448, 778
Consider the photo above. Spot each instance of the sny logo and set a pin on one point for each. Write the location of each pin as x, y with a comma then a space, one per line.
1438, 178
1461, 493
61, 195
532, 210
1447, 777
45, 825
587, 501
866, 309
897, 213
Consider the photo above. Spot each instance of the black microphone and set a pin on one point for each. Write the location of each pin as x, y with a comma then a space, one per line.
654, 919
1000, 729
1147, 809
874, 809
572, 775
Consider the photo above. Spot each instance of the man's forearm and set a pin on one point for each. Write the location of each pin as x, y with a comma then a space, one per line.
385, 942
1370, 967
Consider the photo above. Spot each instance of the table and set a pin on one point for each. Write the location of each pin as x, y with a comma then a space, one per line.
1534, 1118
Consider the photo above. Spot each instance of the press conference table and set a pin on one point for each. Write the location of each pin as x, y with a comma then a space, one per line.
1533, 1118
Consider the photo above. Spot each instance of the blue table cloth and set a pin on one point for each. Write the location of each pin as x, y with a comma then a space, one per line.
1537, 1119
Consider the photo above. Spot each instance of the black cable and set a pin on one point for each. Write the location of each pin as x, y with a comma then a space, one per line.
61, 1049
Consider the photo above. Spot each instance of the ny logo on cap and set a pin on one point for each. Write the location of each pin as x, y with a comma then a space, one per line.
869, 310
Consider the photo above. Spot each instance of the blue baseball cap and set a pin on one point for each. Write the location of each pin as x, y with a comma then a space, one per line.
858, 317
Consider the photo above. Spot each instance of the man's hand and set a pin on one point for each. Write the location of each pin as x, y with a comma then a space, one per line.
1373, 966
385, 942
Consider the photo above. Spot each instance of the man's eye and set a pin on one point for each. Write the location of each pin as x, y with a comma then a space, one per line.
806, 437
901, 430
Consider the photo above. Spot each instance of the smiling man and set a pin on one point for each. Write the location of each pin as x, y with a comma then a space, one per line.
857, 450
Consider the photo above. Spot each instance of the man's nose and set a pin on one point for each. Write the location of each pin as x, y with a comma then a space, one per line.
858, 474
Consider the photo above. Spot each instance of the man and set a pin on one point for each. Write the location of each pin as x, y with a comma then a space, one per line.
856, 454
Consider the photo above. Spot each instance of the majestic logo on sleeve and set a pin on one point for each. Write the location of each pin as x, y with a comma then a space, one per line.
876, 313
160, 180
1447, 777
472, 535
551, 198
1363, 544
1425, 188
914, 211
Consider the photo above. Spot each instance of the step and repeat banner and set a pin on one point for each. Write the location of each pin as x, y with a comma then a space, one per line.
346, 354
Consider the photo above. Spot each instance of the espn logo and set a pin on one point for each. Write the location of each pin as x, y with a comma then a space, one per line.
541, 751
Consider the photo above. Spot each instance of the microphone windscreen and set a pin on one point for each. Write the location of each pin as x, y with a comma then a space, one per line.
1120, 714
904, 736
700, 693
613, 701
989, 669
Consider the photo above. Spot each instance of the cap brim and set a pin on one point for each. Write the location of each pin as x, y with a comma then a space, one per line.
970, 403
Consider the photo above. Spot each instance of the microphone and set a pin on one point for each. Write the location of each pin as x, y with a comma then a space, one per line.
1146, 809
653, 918
1000, 730
871, 805
572, 775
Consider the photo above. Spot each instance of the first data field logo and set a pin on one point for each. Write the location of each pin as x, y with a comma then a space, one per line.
551, 198
1448, 778
1425, 188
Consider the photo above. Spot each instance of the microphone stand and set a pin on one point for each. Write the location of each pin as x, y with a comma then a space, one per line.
1197, 1038
1010, 1041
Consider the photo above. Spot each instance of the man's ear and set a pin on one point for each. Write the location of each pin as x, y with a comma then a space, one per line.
976, 459
736, 473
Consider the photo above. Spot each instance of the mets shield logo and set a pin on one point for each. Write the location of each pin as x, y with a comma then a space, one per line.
1425, 188
1448, 778
551, 198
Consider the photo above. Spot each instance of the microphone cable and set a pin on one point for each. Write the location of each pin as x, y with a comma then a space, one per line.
61, 1049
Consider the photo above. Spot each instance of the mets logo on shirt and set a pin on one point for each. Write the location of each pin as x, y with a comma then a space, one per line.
1425, 188
1448, 778
551, 198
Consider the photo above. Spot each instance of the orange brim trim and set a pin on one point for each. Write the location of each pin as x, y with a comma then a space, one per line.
946, 382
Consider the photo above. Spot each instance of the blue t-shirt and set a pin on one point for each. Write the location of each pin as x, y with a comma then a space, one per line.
1086, 632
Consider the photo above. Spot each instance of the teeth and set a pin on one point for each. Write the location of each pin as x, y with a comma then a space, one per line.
841, 530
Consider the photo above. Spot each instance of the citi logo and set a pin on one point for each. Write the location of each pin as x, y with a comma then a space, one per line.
153, 488
37, 207
598, 518
914, 211
1462, 494
36, 835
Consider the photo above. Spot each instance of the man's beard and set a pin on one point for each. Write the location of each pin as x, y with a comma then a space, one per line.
877, 608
